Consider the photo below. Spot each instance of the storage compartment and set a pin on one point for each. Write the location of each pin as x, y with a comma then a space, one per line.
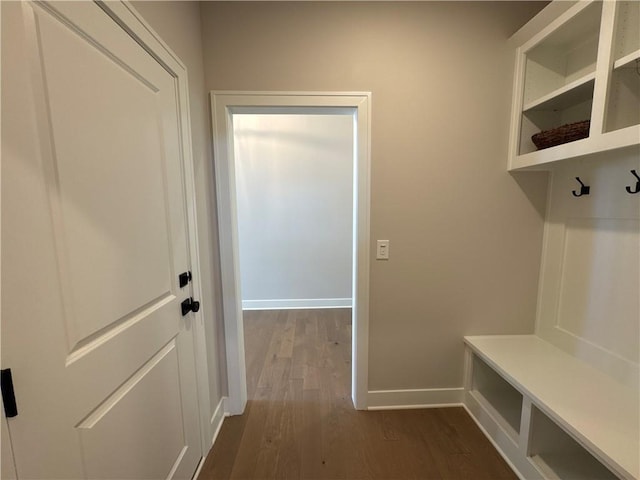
496, 395
626, 47
624, 98
558, 456
540, 119
624, 88
559, 76
565, 56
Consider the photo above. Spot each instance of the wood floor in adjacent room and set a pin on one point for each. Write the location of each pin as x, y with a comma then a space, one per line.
300, 422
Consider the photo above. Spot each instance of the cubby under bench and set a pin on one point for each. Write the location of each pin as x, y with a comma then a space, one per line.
551, 415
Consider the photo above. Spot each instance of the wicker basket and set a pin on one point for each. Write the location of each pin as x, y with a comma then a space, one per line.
564, 134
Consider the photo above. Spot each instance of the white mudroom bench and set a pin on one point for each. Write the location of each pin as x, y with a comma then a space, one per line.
551, 415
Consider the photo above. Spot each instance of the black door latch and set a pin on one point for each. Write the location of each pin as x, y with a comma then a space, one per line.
184, 278
189, 305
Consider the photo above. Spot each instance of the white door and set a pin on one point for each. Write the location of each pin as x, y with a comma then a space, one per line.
93, 240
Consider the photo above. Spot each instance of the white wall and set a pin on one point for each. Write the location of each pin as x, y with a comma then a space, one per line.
294, 184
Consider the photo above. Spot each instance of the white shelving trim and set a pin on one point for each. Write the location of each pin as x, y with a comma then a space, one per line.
540, 158
623, 138
564, 90
626, 60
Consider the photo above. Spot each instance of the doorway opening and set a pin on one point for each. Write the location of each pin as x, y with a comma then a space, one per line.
294, 187
227, 106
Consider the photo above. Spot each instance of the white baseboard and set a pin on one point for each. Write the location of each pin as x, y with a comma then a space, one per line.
296, 303
421, 398
199, 469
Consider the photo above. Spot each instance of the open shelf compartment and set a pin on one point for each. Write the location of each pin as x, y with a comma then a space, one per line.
558, 456
564, 56
559, 76
624, 99
540, 119
627, 33
624, 87
495, 394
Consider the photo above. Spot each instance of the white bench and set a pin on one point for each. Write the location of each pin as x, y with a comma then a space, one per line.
550, 414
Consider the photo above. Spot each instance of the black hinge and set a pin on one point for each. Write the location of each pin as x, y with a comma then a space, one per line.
8, 395
184, 278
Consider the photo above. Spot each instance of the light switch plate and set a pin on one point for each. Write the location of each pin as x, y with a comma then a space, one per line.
382, 250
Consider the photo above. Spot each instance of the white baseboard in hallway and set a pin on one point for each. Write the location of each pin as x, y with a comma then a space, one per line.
417, 398
296, 303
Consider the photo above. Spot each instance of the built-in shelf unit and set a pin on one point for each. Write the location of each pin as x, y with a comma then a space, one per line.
564, 403
581, 66
552, 415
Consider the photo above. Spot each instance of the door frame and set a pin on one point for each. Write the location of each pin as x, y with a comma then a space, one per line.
125, 15
223, 105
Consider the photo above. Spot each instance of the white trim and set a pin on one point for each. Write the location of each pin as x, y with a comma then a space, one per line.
604, 69
199, 469
134, 23
416, 398
216, 421
296, 303
223, 105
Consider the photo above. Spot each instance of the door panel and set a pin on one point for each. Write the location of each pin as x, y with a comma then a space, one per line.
121, 263
148, 425
93, 236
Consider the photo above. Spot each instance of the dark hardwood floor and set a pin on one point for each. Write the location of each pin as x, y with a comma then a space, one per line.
300, 422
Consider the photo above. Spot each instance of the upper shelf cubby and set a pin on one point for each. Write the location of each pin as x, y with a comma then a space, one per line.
623, 106
576, 62
627, 34
567, 55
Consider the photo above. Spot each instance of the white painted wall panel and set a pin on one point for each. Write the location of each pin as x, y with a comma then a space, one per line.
589, 303
599, 293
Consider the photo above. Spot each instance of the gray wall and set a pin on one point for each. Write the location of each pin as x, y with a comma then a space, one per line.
465, 235
294, 188
178, 23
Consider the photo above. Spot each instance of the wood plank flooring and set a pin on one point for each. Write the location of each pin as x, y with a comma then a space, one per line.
300, 422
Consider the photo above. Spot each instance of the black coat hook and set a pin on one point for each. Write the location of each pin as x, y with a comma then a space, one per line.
637, 190
584, 189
